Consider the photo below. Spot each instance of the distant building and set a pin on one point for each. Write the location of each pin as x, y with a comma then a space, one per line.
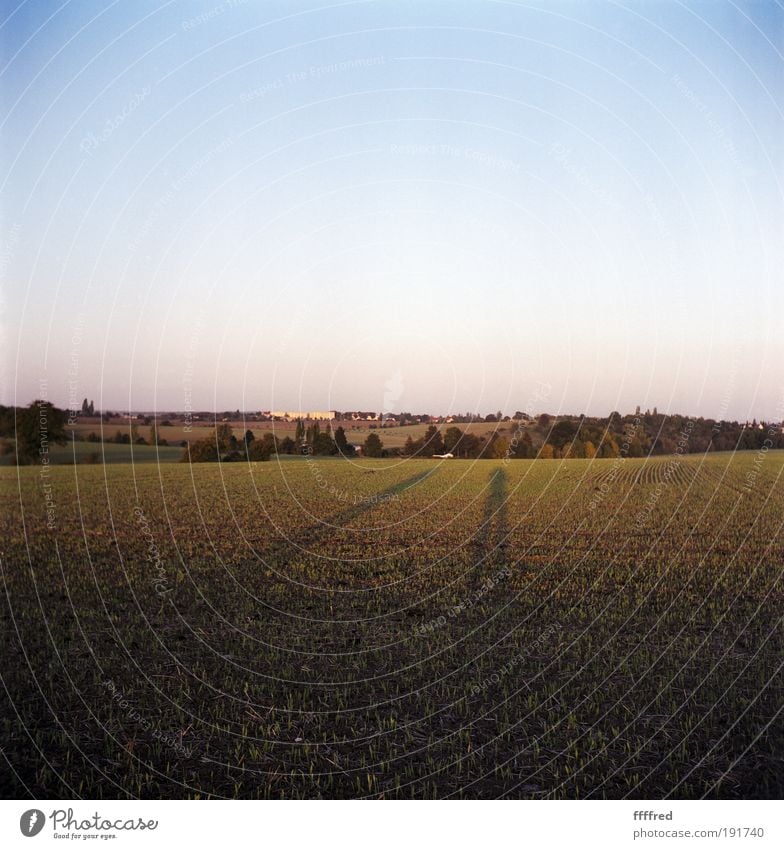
293, 415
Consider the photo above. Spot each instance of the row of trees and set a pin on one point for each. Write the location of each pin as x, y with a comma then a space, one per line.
222, 445
28, 432
647, 434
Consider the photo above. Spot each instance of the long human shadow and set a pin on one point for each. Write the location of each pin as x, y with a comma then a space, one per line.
489, 541
314, 532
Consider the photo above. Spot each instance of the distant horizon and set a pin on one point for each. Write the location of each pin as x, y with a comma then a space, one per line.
414, 412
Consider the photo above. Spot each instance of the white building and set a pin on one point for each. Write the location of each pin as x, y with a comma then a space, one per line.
293, 415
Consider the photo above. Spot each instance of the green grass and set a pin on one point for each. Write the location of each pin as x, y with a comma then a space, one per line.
111, 453
394, 628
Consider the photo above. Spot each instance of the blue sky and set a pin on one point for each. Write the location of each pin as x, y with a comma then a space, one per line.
494, 205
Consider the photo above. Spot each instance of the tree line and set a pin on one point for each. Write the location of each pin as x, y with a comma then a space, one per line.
28, 432
221, 444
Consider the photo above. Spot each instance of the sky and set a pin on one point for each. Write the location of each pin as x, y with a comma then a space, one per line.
393, 206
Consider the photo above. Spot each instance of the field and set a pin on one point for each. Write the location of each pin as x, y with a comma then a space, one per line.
90, 453
396, 629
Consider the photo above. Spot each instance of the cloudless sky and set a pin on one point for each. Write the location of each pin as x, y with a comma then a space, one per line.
409, 205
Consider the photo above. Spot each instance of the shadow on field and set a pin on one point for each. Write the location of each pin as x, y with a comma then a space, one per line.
317, 531
489, 539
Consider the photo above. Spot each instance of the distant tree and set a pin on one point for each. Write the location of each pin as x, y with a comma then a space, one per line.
85, 406
201, 451
574, 450
609, 447
288, 446
223, 438
433, 442
324, 444
520, 446
452, 439
562, 433
220, 444
342, 444
635, 448
373, 446
299, 432
544, 421
154, 433
248, 439
470, 446
272, 443
546, 452
259, 450
91, 408
499, 448
39, 426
